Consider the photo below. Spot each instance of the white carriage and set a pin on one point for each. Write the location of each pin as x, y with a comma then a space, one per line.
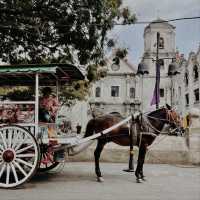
25, 146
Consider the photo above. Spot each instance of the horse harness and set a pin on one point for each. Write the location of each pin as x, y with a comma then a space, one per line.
146, 128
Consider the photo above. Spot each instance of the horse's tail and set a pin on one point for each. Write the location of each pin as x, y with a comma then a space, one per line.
90, 128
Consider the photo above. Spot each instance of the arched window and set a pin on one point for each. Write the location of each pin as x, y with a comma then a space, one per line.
161, 43
132, 93
162, 92
196, 95
186, 78
195, 73
187, 100
98, 92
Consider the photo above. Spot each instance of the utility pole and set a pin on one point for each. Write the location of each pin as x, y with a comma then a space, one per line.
157, 70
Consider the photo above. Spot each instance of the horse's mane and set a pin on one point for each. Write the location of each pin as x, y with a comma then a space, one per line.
156, 113
110, 116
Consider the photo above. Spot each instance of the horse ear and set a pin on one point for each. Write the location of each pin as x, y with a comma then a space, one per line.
168, 106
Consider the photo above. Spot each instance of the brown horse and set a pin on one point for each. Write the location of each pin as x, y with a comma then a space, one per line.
145, 128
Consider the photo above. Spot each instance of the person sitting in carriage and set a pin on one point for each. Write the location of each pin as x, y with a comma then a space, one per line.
48, 106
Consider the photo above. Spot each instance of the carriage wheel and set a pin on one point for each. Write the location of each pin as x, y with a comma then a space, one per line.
19, 156
47, 161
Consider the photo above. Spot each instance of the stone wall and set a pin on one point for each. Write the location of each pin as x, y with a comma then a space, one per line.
165, 149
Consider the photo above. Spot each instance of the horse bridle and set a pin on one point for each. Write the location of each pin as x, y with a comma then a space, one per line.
173, 121
170, 114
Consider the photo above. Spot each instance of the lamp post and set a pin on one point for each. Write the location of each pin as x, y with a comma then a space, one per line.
142, 69
172, 71
157, 69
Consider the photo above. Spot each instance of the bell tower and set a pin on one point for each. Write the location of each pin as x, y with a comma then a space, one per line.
165, 52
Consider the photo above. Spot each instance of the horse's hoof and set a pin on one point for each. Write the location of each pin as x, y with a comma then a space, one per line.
144, 179
100, 179
138, 180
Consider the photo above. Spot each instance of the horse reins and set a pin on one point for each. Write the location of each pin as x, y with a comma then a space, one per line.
169, 113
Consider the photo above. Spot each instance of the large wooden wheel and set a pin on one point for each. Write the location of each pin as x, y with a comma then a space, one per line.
47, 161
19, 156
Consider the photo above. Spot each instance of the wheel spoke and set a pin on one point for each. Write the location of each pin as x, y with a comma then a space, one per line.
8, 174
16, 139
1, 148
20, 144
24, 162
28, 155
9, 138
14, 172
24, 149
51, 160
20, 168
1, 161
4, 141
2, 169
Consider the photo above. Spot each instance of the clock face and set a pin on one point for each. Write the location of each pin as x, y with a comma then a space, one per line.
115, 67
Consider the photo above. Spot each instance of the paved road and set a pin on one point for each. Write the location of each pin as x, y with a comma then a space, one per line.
77, 181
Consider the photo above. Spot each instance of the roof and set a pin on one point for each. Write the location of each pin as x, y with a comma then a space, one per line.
24, 74
159, 21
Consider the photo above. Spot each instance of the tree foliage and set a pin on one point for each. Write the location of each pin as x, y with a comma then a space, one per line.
57, 31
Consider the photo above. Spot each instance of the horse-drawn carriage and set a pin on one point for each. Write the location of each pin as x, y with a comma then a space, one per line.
25, 145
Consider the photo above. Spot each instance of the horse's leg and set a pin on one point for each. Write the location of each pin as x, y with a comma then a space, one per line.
97, 154
139, 170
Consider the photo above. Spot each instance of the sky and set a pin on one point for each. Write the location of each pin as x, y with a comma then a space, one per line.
187, 32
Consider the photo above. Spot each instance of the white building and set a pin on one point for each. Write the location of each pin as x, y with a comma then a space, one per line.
186, 85
118, 92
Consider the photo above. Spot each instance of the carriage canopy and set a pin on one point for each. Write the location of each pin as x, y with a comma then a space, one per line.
49, 74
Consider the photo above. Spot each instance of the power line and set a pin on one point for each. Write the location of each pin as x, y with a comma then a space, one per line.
115, 24
164, 21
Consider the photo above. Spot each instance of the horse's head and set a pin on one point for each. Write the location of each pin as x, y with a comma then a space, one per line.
166, 118
173, 119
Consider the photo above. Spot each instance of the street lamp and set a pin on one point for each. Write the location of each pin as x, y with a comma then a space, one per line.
172, 71
142, 70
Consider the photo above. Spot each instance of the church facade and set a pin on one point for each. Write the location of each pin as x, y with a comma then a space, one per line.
118, 92
123, 91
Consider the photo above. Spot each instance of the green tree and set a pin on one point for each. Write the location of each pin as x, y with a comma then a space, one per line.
58, 31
